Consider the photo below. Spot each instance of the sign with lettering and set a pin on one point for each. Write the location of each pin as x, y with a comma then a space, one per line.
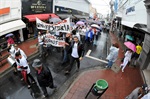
53, 40
36, 6
63, 26
64, 10
130, 10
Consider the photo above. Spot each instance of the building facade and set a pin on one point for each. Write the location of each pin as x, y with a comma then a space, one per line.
10, 18
72, 8
136, 16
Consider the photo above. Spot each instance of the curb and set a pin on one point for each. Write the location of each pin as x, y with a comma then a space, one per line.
9, 69
64, 88
78, 75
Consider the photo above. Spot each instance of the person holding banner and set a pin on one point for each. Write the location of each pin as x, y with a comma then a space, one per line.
77, 52
68, 40
25, 69
40, 41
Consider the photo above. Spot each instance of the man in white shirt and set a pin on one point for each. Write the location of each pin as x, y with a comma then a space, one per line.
77, 52
23, 65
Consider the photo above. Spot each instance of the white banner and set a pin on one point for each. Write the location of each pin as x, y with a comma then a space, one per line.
63, 26
53, 40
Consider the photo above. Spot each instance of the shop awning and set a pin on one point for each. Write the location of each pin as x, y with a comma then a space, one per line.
11, 26
129, 24
32, 18
133, 24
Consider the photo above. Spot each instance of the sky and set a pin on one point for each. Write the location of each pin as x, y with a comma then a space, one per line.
102, 6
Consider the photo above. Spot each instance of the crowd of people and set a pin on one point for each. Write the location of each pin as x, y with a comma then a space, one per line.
73, 50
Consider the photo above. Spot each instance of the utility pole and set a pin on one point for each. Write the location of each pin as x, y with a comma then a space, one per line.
111, 3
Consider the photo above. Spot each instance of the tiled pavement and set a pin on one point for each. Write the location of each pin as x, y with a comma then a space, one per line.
29, 47
120, 84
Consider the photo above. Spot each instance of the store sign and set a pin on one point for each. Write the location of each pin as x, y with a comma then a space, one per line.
4, 11
38, 6
63, 26
64, 10
130, 10
53, 40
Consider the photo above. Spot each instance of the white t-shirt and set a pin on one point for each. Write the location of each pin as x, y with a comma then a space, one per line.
21, 52
40, 39
23, 62
75, 51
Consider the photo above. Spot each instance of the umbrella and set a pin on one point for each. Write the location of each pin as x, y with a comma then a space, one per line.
8, 35
95, 26
129, 37
130, 45
55, 20
80, 23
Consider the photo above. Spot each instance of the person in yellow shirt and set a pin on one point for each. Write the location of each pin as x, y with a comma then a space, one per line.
138, 49
136, 54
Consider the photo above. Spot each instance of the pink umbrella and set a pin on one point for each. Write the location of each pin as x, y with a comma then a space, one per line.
130, 45
80, 23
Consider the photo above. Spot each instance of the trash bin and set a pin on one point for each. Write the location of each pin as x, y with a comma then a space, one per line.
100, 87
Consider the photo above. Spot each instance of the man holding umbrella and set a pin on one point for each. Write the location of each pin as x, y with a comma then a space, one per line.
44, 76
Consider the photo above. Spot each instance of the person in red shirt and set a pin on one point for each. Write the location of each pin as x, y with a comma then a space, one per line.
10, 41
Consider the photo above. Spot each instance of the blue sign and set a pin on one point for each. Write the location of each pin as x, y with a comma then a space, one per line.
131, 9
116, 6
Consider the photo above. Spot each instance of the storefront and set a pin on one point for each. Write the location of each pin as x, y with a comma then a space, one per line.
134, 22
75, 9
31, 9
10, 21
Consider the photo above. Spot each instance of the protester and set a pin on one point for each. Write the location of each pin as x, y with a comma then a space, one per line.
77, 52
23, 65
17, 49
126, 60
68, 40
89, 36
11, 50
95, 36
40, 41
112, 57
44, 76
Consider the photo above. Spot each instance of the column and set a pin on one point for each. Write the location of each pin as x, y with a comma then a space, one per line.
21, 35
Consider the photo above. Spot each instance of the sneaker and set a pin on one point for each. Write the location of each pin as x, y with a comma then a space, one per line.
22, 79
106, 66
44, 96
67, 72
29, 86
33, 82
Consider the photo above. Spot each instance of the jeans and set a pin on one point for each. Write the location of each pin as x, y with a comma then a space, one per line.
65, 58
110, 63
